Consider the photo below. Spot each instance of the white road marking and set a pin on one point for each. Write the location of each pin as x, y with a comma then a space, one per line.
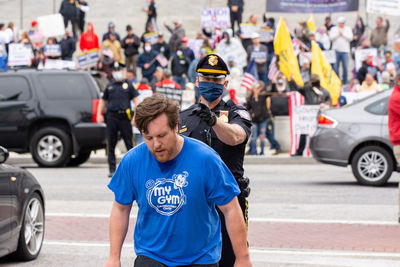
259, 219
253, 250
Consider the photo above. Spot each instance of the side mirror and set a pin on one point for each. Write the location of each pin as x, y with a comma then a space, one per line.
3, 154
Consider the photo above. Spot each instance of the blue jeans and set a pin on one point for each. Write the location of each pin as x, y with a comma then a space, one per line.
270, 134
344, 58
258, 129
262, 76
180, 80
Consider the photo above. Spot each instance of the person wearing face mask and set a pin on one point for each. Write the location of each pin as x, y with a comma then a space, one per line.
147, 62
314, 94
223, 126
117, 99
179, 67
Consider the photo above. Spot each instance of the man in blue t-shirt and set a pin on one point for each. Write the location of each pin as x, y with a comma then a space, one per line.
177, 182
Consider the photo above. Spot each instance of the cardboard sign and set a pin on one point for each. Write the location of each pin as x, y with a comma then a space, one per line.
144, 94
213, 17
151, 37
246, 30
19, 55
329, 54
53, 50
171, 93
56, 64
265, 35
390, 7
259, 55
52, 25
88, 59
312, 6
305, 119
361, 55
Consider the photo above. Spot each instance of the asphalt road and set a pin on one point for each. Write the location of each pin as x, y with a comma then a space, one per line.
288, 204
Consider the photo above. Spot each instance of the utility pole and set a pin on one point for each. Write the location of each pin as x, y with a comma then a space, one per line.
21, 14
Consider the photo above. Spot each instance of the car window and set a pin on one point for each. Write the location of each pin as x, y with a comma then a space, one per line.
379, 107
14, 88
64, 86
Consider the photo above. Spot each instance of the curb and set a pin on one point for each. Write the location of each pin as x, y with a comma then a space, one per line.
18, 159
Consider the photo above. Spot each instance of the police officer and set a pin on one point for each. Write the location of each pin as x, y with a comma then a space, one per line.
119, 115
223, 126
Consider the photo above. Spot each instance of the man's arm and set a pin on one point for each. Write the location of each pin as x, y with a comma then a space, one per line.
119, 222
100, 108
237, 232
230, 134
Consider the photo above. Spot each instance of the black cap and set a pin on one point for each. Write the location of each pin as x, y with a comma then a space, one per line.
212, 66
117, 65
128, 27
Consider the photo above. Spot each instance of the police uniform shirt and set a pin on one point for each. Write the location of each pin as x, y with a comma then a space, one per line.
119, 95
233, 156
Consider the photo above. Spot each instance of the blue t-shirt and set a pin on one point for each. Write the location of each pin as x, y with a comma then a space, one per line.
177, 223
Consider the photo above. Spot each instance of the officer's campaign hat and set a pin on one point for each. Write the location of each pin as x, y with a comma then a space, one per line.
212, 66
117, 65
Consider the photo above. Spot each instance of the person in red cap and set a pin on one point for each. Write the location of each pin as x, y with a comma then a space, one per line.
189, 54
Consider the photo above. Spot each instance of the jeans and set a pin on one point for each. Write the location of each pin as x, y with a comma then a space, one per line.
344, 58
261, 129
180, 80
262, 76
270, 134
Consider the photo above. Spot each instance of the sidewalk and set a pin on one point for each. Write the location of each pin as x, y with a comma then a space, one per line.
100, 157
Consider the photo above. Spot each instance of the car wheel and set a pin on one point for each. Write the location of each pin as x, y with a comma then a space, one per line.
51, 147
32, 230
81, 158
372, 165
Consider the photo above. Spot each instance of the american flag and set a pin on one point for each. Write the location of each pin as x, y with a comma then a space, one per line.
250, 76
273, 69
162, 60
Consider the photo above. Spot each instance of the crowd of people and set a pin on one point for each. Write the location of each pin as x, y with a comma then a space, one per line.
152, 54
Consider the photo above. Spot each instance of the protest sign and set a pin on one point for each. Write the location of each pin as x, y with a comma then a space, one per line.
329, 54
259, 55
361, 55
52, 25
390, 7
304, 119
53, 50
56, 64
355, 96
246, 29
151, 37
144, 94
19, 55
213, 17
171, 93
88, 59
265, 35
312, 6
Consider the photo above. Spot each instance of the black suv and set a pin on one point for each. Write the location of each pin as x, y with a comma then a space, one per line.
51, 114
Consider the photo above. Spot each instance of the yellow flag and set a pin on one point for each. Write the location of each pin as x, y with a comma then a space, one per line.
283, 46
321, 66
311, 24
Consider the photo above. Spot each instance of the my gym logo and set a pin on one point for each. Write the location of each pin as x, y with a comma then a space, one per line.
166, 196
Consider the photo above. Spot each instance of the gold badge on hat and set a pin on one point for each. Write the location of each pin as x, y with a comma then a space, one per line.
212, 60
223, 115
125, 85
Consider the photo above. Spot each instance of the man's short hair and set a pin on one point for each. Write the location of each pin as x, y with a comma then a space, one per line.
152, 107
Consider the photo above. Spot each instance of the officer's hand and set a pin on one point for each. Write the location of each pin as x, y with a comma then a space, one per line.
112, 263
133, 122
205, 114
100, 118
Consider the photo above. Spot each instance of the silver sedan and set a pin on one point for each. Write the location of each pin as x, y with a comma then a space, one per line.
357, 134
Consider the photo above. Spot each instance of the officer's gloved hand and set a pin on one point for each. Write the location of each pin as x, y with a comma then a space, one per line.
205, 114
243, 183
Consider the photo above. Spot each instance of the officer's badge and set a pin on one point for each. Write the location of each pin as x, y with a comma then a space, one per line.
212, 60
125, 85
243, 114
109, 87
223, 115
